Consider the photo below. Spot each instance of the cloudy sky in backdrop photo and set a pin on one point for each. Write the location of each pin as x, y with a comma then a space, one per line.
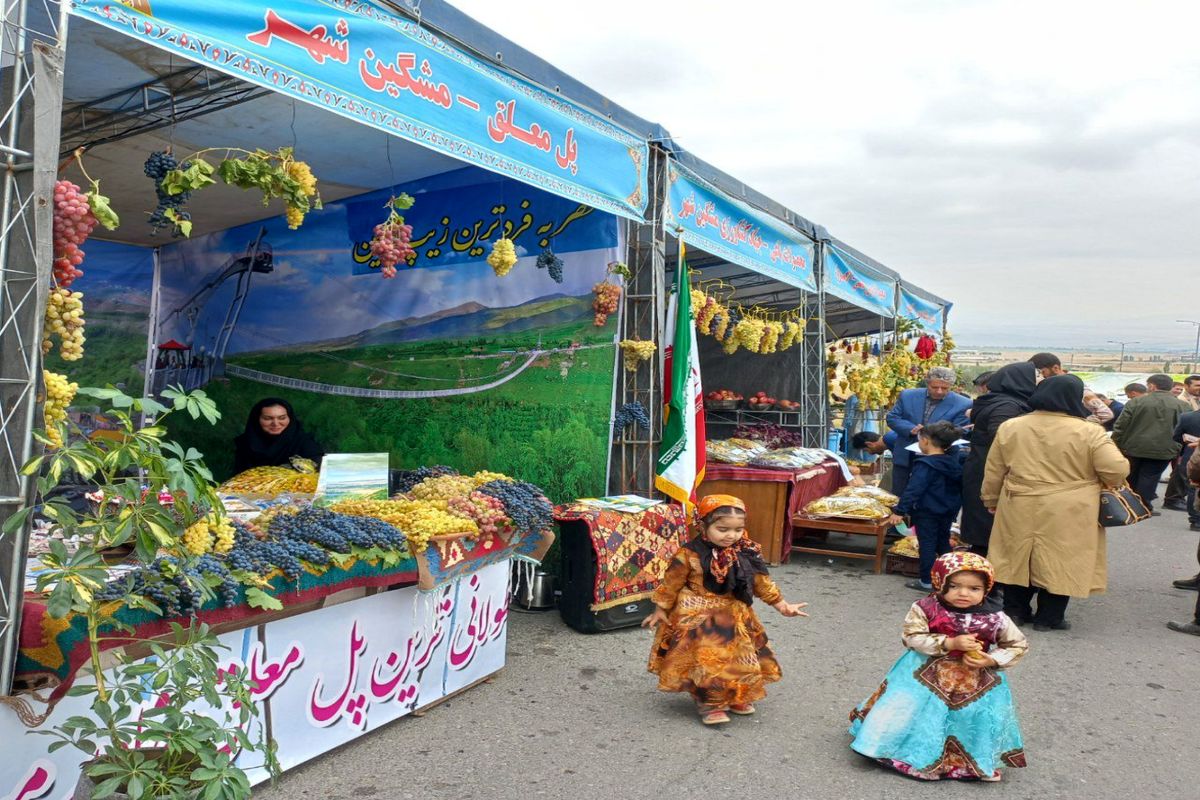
1035, 163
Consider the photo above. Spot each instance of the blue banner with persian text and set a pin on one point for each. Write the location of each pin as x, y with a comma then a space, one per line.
846, 277
456, 225
925, 313
727, 228
365, 63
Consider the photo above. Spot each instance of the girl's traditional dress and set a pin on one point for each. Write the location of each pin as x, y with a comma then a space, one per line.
713, 645
934, 716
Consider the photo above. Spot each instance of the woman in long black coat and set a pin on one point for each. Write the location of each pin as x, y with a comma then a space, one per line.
1009, 389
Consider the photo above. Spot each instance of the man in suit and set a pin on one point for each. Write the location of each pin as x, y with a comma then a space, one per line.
916, 408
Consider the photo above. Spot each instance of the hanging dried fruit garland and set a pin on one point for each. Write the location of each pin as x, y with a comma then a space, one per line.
756, 330
277, 174
857, 367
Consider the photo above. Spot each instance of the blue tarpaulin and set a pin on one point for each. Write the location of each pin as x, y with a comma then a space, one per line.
702, 216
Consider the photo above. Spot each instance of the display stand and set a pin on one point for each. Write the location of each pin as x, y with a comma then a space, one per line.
803, 525
772, 497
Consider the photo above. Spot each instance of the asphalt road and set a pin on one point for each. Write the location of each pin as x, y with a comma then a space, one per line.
1110, 709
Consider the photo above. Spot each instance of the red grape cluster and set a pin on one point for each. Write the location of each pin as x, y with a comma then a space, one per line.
487, 511
608, 296
73, 224
391, 245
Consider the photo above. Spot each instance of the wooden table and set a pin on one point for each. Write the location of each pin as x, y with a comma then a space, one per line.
803, 522
772, 496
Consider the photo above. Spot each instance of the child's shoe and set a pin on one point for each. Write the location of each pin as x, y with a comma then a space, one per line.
993, 778
717, 717
742, 709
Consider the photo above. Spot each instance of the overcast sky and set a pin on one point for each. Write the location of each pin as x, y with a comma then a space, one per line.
1037, 163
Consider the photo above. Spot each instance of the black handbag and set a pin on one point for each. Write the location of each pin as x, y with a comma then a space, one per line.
1120, 507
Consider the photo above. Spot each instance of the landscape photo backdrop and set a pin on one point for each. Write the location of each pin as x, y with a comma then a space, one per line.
445, 364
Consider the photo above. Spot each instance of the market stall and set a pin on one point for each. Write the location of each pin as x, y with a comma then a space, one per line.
383, 316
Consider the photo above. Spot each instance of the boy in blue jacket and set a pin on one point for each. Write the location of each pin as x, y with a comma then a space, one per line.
933, 496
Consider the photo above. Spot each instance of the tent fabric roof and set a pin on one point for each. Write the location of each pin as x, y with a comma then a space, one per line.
736, 188
129, 66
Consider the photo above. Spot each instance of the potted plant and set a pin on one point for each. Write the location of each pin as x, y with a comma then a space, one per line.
170, 726
151, 493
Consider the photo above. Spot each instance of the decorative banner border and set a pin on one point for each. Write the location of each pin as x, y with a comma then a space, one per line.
369, 65
718, 224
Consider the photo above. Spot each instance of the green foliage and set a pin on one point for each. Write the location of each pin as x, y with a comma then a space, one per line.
120, 467
177, 747
541, 426
174, 748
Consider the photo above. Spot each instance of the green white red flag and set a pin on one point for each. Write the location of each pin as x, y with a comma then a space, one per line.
681, 457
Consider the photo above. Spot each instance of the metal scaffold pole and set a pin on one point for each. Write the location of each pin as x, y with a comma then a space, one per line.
31, 86
634, 449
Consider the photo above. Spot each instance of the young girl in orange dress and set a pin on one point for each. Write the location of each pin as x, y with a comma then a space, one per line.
709, 642
945, 709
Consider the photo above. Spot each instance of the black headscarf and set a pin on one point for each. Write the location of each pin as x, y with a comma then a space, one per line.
1062, 394
1009, 389
1013, 380
740, 580
254, 447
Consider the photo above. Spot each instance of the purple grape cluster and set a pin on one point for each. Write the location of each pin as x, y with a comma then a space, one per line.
525, 504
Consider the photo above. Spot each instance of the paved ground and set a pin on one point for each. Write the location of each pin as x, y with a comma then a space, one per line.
1110, 709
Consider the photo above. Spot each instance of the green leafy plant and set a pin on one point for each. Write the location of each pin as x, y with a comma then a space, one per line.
274, 173
186, 741
148, 491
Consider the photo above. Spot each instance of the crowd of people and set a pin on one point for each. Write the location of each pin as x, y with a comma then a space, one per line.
1041, 450
1041, 447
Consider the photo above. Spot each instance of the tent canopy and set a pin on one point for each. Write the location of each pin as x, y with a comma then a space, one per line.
382, 71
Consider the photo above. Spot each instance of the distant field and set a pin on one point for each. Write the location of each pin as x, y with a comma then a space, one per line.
114, 352
549, 425
425, 365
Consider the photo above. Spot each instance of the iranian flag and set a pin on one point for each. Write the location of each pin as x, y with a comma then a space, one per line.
681, 457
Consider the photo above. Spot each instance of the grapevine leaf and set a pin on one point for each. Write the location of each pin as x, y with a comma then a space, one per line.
403, 202
257, 598
185, 227
102, 208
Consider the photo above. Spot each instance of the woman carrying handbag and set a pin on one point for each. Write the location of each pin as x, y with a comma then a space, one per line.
1044, 476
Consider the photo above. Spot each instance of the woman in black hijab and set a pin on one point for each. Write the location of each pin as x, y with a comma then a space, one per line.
1008, 391
1062, 394
272, 436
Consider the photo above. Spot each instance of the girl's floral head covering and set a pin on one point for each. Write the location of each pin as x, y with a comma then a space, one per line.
962, 561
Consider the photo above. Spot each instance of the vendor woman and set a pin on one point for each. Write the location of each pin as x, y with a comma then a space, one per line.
273, 435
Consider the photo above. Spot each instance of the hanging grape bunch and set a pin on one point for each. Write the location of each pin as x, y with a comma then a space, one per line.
64, 319
392, 237
73, 224
169, 211
503, 257
551, 263
635, 351
59, 394
629, 413
607, 298
306, 187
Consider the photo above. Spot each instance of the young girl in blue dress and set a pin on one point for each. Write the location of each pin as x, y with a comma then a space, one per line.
945, 709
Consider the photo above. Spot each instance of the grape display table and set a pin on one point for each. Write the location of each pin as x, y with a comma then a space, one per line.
773, 497
802, 525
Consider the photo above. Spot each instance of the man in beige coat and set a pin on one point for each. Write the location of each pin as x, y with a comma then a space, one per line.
1043, 479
